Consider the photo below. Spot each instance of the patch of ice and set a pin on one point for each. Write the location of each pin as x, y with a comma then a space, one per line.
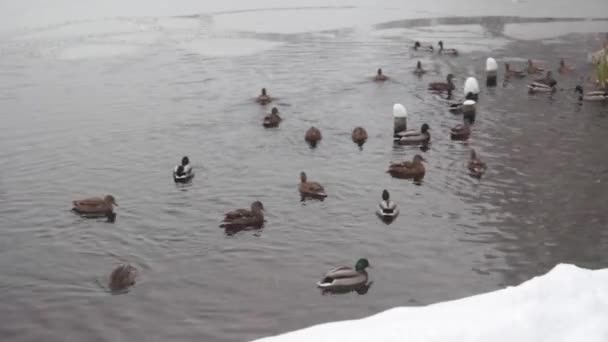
218, 47
536, 31
567, 304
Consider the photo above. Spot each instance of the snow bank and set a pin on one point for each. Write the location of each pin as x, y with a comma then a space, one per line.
567, 304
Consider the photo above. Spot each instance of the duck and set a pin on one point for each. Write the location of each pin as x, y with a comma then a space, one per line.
453, 52
476, 167
533, 69
345, 278
95, 206
596, 95
414, 137
419, 47
419, 71
263, 98
122, 277
183, 173
545, 84
513, 73
273, 119
313, 136
380, 77
310, 189
461, 131
563, 68
387, 209
443, 86
359, 136
244, 218
408, 169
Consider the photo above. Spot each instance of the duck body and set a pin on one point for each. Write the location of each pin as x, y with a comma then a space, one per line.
263, 98
183, 174
311, 189
452, 52
408, 169
387, 209
461, 132
345, 278
95, 206
244, 218
273, 119
419, 47
359, 136
413, 137
313, 136
122, 277
443, 86
476, 167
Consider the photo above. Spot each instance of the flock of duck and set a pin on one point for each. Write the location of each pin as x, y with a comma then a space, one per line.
347, 278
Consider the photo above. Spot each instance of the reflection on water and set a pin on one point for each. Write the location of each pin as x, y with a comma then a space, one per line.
107, 121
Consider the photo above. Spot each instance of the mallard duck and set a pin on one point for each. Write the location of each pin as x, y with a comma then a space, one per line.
533, 69
95, 206
387, 209
545, 84
597, 95
313, 136
380, 77
453, 52
513, 73
419, 71
344, 278
408, 169
419, 47
443, 86
563, 68
273, 119
243, 218
183, 173
461, 131
263, 98
414, 137
122, 277
476, 167
310, 189
359, 136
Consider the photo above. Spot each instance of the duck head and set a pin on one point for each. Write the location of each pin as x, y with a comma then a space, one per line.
440, 45
122, 277
185, 161
418, 65
424, 128
361, 265
416, 45
274, 110
263, 91
530, 64
418, 159
303, 177
109, 199
257, 206
379, 72
385, 195
473, 154
507, 67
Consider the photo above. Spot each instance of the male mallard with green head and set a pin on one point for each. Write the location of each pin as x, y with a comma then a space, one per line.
345, 277
414, 137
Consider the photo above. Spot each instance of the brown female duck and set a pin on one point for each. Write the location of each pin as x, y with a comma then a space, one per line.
313, 136
273, 119
310, 189
263, 98
359, 136
513, 73
413, 137
452, 52
95, 206
380, 77
243, 218
476, 167
408, 169
461, 131
443, 86
122, 277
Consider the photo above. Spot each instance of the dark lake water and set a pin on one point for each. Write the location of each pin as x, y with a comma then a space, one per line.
111, 111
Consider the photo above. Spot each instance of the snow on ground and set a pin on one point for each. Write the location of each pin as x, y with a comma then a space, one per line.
567, 304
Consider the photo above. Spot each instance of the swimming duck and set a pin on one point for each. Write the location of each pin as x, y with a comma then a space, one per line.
597, 95
313, 136
380, 77
273, 119
453, 52
476, 167
359, 136
408, 169
443, 86
545, 84
387, 209
263, 98
533, 69
414, 137
310, 189
419, 71
513, 73
461, 131
183, 173
95, 206
563, 68
344, 277
419, 47
243, 218
122, 277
